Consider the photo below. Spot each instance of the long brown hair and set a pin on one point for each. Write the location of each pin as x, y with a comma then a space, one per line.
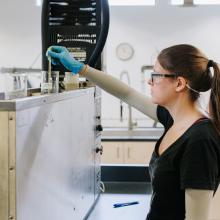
189, 62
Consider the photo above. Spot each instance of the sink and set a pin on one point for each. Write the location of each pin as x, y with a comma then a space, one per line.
123, 133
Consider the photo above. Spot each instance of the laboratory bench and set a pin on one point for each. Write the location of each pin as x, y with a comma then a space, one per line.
127, 152
120, 193
129, 192
137, 134
125, 159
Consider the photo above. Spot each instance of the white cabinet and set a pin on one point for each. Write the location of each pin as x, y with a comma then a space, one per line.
112, 153
133, 152
138, 152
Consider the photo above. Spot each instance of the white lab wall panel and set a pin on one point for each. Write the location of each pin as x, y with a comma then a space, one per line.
20, 37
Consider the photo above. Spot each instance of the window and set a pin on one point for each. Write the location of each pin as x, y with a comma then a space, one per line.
38, 3
196, 2
131, 2
177, 2
206, 2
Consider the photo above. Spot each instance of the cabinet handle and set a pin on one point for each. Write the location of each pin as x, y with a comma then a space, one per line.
118, 152
129, 152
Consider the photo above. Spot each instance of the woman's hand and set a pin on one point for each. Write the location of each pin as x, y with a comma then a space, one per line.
60, 55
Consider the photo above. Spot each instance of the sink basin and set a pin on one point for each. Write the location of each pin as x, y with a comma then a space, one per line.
123, 133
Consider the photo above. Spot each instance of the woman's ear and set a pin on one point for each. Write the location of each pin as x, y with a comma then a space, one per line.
180, 84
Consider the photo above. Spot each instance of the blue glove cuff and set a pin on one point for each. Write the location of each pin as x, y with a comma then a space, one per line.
76, 67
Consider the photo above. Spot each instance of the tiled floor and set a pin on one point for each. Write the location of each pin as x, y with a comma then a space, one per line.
120, 193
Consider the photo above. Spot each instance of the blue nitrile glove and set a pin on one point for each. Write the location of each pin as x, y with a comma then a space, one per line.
61, 55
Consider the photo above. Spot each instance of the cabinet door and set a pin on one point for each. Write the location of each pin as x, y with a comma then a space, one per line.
138, 152
112, 153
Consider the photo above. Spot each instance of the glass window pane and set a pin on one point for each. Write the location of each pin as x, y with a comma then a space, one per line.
38, 2
131, 2
177, 2
206, 2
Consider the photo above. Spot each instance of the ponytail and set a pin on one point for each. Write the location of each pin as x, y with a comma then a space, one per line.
215, 97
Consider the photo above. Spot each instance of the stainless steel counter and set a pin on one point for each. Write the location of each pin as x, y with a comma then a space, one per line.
120, 134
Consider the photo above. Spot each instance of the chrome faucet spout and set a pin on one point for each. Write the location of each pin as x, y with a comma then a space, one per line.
130, 121
121, 111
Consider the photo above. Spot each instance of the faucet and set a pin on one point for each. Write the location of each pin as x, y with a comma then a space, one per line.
130, 122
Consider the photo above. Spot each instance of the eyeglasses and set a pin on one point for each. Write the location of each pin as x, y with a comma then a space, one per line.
156, 77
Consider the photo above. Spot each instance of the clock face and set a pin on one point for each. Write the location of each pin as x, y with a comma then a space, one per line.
124, 51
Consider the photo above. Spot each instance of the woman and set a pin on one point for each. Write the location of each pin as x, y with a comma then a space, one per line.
185, 165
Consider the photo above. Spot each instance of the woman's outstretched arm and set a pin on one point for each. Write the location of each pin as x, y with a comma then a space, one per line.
112, 85
121, 90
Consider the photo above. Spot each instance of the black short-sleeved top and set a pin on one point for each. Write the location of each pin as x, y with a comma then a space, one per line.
192, 161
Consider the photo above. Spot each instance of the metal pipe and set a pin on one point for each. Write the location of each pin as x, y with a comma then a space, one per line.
130, 123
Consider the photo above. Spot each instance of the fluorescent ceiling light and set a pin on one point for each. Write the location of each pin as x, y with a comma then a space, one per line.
207, 2
131, 2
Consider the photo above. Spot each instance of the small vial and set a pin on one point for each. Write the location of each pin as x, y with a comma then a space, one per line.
71, 82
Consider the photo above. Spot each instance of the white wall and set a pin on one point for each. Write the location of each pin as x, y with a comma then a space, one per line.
148, 30
20, 33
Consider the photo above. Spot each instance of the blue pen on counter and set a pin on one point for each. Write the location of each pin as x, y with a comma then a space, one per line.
118, 205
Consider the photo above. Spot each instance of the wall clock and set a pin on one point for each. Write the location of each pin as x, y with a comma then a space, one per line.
124, 51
